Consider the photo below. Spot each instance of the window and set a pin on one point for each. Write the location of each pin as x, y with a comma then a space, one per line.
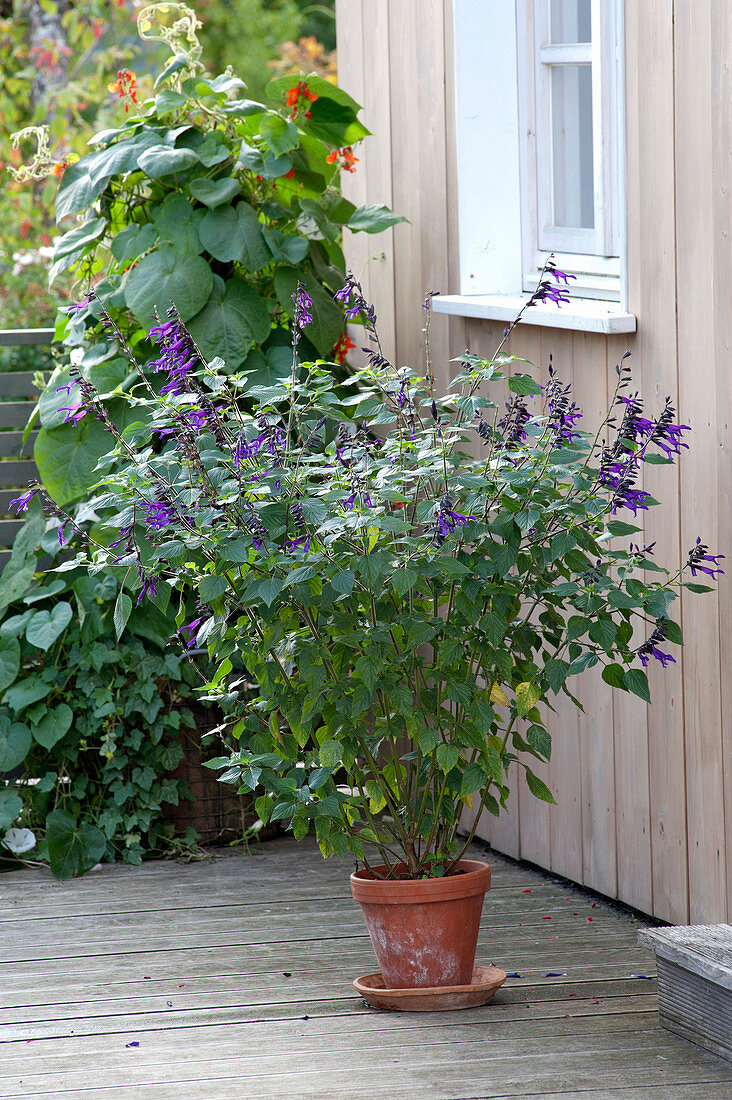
539, 153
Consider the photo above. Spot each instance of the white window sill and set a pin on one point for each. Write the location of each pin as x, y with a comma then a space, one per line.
583, 314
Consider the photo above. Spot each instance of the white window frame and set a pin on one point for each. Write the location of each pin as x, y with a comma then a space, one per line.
497, 264
593, 255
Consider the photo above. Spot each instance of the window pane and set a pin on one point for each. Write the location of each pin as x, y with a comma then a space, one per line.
573, 182
571, 21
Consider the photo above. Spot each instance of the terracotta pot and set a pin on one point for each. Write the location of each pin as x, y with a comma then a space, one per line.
424, 931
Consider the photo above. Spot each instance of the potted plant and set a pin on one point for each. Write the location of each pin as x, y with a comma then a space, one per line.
408, 576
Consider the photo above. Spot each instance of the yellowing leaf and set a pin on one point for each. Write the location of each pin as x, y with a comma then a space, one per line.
373, 533
468, 800
499, 696
526, 695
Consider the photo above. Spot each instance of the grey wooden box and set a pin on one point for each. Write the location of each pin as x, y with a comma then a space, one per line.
695, 982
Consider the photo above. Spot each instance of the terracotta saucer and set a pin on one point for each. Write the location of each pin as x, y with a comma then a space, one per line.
439, 998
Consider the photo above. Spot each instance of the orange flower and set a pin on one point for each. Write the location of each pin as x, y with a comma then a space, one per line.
344, 158
290, 175
295, 94
126, 87
342, 348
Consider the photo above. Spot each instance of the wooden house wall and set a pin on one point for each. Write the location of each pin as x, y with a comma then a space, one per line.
643, 792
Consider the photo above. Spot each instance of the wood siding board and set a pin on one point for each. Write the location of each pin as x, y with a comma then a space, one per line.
535, 829
699, 480
721, 76
597, 755
652, 264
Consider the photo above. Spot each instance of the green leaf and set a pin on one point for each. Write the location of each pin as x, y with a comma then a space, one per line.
279, 134
636, 681
9, 661
213, 193
373, 218
237, 551
615, 676
343, 582
524, 384
46, 626
177, 224
603, 631
539, 788
73, 848
334, 123
26, 692
69, 247
474, 779
10, 807
211, 587
697, 587
162, 160
447, 756
540, 740
331, 753
15, 743
231, 323
132, 241
403, 579
286, 249
556, 672
267, 590
53, 726
122, 612
234, 233
163, 277
84, 181
67, 457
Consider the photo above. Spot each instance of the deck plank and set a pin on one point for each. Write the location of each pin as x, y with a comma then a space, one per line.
234, 977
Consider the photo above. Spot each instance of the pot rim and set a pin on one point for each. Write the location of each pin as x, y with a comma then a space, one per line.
476, 880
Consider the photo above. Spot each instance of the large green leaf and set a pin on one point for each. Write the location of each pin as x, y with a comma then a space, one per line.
177, 223
373, 218
234, 233
10, 807
67, 457
213, 193
46, 626
279, 134
132, 241
162, 278
73, 244
327, 326
15, 742
30, 690
162, 160
335, 123
9, 661
53, 726
231, 323
73, 848
84, 181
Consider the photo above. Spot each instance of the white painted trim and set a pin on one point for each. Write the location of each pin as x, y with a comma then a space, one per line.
582, 314
488, 182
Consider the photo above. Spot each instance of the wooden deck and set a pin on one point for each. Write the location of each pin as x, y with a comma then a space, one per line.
232, 979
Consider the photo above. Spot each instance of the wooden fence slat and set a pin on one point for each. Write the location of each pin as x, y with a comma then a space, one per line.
25, 337
17, 472
19, 383
14, 414
12, 445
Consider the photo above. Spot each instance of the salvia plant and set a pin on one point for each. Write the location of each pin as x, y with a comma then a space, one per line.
409, 577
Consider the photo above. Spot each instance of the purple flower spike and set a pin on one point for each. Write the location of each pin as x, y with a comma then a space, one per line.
303, 307
447, 520
159, 515
62, 540
67, 389
698, 554
303, 542
23, 501
191, 629
650, 647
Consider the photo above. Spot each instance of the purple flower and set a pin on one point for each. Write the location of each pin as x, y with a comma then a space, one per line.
546, 291
67, 389
303, 307
75, 413
514, 422
149, 585
352, 298
698, 554
649, 648
124, 536
447, 520
246, 449
23, 501
292, 544
667, 435
62, 540
179, 352
158, 515
73, 311
563, 413
191, 629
